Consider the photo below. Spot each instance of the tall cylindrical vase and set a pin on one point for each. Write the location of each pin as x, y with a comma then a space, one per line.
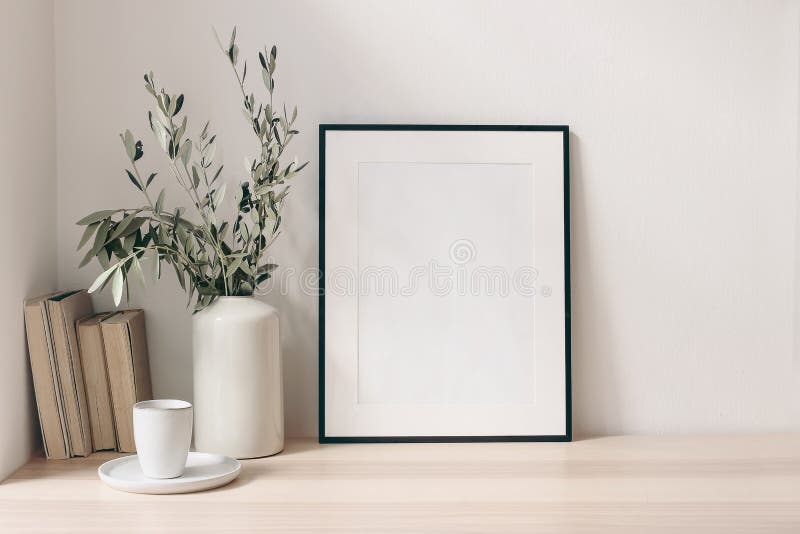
238, 385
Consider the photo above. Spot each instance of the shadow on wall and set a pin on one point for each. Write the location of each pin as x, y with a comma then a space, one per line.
594, 395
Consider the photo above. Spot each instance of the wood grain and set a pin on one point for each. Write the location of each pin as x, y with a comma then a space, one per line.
618, 484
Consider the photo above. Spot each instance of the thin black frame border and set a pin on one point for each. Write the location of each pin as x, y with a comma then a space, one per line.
564, 129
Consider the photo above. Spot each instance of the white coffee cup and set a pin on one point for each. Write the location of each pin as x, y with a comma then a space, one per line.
162, 430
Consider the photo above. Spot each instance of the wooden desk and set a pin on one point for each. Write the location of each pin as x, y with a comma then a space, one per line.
617, 484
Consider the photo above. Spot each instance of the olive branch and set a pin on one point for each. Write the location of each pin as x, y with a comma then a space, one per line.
209, 256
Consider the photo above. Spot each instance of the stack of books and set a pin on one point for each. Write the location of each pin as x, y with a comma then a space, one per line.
88, 371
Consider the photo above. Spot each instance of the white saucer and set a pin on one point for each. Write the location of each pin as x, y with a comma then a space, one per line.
203, 471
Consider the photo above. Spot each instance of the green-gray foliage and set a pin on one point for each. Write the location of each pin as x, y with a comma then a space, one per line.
210, 257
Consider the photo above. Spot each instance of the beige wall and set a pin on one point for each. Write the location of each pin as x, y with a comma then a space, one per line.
27, 207
683, 157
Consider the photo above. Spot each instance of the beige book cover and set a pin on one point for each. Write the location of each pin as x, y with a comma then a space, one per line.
45, 379
95, 376
65, 310
125, 341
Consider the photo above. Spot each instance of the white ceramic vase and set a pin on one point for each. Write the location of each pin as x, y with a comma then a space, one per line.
238, 382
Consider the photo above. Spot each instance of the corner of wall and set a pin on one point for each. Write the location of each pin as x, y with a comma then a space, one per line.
27, 206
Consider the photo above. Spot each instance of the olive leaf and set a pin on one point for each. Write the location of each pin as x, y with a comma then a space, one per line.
219, 195
160, 201
116, 286
127, 140
87, 233
185, 151
101, 280
97, 216
137, 268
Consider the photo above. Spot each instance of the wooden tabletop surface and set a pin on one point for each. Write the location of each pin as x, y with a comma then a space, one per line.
615, 484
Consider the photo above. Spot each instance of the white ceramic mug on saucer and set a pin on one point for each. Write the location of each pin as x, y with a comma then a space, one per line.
162, 430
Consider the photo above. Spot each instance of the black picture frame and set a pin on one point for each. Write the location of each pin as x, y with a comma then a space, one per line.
567, 436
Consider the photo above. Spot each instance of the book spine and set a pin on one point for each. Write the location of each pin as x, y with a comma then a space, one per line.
140, 359
98, 400
123, 396
43, 386
70, 389
51, 354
